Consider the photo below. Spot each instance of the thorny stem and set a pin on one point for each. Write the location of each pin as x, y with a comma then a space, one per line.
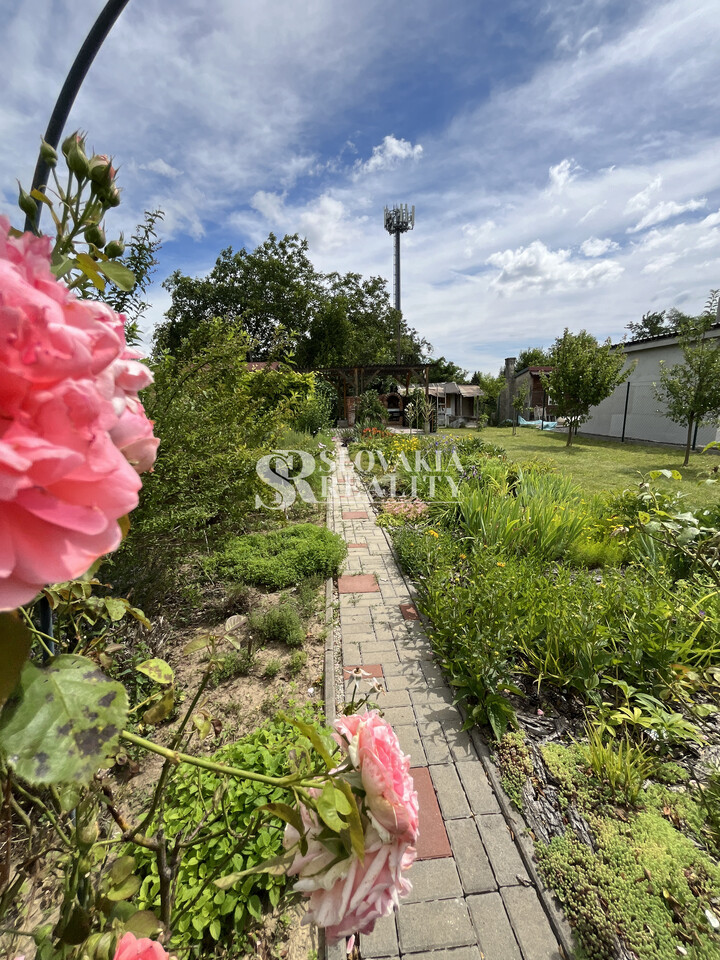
175, 757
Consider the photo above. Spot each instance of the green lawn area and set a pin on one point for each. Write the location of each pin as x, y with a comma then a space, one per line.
602, 465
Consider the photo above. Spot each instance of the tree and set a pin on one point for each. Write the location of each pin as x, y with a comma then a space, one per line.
532, 357
654, 324
445, 371
584, 373
691, 389
491, 388
270, 293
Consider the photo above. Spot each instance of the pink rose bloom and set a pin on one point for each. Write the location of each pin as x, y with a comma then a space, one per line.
350, 896
373, 748
131, 948
73, 434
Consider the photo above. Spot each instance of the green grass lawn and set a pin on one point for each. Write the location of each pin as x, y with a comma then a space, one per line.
603, 465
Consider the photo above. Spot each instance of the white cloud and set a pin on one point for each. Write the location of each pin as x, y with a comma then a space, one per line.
161, 167
537, 267
662, 263
595, 247
562, 174
642, 200
389, 154
269, 205
665, 210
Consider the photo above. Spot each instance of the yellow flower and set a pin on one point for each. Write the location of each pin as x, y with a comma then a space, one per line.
462, 556
433, 533
500, 563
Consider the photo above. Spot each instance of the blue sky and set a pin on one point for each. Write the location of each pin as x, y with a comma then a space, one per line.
563, 158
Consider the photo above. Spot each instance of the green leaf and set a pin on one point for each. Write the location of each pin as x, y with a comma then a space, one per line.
357, 834
121, 870
118, 274
199, 643
162, 709
327, 810
287, 814
313, 736
15, 642
144, 923
157, 670
255, 907
214, 929
116, 607
123, 891
62, 721
90, 268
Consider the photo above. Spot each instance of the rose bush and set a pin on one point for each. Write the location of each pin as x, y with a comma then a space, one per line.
73, 434
348, 895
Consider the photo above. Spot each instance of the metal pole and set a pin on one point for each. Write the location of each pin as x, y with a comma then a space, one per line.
397, 269
94, 40
627, 397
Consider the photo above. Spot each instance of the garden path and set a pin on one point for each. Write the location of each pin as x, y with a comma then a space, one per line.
472, 898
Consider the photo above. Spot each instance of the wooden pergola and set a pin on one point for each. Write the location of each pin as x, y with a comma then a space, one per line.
354, 380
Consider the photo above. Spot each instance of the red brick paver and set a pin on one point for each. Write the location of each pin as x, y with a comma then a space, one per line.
374, 669
433, 840
357, 546
358, 583
354, 515
409, 612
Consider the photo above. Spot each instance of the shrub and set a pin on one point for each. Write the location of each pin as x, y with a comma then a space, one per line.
369, 411
297, 662
272, 668
233, 664
281, 558
281, 624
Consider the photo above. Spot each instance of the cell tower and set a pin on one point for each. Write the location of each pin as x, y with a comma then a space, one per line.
397, 220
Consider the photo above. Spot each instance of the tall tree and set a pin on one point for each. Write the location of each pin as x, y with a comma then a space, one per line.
270, 293
691, 389
584, 373
654, 324
445, 371
532, 357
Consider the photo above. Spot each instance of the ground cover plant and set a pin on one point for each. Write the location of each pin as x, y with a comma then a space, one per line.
582, 632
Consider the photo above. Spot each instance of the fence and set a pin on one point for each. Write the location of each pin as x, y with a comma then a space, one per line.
633, 412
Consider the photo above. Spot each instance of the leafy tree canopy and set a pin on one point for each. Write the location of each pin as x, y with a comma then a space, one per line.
691, 389
584, 373
277, 297
491, 386
654, 324
445, 371
532, 357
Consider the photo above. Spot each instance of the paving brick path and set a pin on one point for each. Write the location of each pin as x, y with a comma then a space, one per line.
472, 897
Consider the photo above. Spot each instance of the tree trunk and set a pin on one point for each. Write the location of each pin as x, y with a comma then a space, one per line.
691, 422
569, 440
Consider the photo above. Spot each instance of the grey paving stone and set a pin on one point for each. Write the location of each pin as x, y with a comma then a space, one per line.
449, 790
394, 698
382, 942
433, 674
477, 786
351, 653
435, 924
437, 712
530, 924
411, 671
401, 682
461, 746
398, 715
438, 697
335, 951
472, 861
372, 648
414, 654
494, 933
504, 857
411, 744
459, 953
434, 880
434, 744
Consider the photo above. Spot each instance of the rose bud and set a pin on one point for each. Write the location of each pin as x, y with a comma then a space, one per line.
101, 169
48, 153
116, 248
26, 203
77, 159
95, 235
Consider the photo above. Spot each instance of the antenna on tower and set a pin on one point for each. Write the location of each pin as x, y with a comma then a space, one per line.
398, 219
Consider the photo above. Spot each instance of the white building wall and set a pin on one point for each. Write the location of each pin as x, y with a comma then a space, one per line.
645, 413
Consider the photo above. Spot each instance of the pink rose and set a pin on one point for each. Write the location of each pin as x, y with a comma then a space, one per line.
349, 896
73, 434
131, 948
373, 748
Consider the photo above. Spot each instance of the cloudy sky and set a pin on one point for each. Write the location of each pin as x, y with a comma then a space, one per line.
563, 157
